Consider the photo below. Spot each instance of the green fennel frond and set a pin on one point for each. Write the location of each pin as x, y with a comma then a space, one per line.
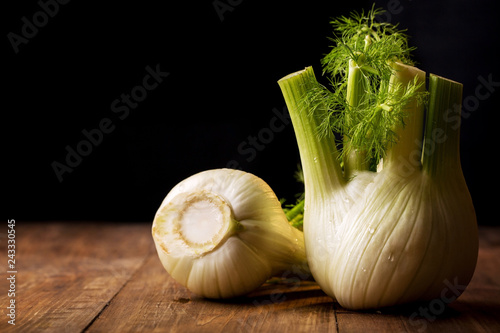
373, 129
368, 42
362, 106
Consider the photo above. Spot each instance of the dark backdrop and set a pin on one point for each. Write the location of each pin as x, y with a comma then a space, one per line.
75, 82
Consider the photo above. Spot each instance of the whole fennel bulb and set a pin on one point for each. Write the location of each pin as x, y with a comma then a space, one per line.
404, 233
222, 233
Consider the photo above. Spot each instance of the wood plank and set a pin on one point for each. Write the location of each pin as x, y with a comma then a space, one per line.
154, 302
108, 278
67, 272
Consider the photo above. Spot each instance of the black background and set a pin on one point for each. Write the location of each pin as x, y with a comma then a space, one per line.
220, 91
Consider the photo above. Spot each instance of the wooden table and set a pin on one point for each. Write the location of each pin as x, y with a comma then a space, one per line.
106, 277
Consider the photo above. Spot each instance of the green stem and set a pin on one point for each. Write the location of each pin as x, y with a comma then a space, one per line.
322, 172
406, 153
296, 210
356, 85
354, 159
441, 153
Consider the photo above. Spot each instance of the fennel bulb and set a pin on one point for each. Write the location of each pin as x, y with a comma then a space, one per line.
222, 233
389, 218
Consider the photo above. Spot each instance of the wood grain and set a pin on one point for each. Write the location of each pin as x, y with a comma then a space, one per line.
68, 272
105, 277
